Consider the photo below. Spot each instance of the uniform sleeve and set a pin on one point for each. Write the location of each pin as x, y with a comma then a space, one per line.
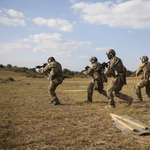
90, 70
47, 68
139, 69
110, 67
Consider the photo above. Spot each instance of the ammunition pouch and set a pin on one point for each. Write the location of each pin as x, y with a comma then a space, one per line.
96, 82
116, 72
146, 76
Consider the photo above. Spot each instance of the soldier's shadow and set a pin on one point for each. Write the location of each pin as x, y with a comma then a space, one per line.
66, 104
100, 101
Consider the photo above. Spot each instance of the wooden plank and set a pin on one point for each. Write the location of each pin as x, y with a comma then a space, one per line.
132, 129
141, 126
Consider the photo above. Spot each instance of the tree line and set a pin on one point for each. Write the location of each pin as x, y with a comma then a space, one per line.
66, 72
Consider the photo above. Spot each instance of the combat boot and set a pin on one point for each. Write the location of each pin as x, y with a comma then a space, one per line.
111, 104
51, 102
139, 100
56, 103
130, 101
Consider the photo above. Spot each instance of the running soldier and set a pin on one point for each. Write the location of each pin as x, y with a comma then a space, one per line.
56, 77
118, 71
145, 81
97, 72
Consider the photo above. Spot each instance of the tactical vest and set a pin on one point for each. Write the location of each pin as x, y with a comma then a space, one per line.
97, 74
57, 69
119, 65
146, 68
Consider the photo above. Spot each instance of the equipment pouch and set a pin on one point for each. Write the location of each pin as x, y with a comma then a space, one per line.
116, 72
147, 76
95, 85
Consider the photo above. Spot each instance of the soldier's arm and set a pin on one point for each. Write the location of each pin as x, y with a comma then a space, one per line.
46, 69
139, 69
90, 70
110, 68
107, 71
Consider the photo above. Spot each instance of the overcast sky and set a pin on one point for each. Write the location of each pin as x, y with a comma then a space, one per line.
73, 31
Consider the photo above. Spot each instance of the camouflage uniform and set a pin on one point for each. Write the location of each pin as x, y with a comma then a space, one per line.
144, 82
56, 78
117, 82
97, 82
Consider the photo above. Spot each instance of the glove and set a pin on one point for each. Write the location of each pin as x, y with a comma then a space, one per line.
40, 71
84, 72
105, 72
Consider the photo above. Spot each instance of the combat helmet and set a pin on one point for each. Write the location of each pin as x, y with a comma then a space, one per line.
144, 59
110, 53
93, 59
50, 59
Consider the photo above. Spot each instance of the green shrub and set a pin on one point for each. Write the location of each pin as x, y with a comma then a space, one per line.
2, 66
9, 66
10, 79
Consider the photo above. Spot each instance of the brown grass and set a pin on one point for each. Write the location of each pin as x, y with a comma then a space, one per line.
28, 121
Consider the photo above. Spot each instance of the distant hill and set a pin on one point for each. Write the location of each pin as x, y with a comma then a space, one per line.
17, 72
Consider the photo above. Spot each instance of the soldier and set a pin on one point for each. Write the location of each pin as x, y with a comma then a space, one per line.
118, 71
145, 81
98, 79
56, 77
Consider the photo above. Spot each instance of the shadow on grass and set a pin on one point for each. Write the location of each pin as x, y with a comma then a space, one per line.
66, 104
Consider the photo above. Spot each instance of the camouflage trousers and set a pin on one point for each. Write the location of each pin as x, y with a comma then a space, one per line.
142, 83
51, 89
115, 86
96, 85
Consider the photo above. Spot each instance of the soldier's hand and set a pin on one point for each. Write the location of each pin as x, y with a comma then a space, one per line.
40, 71
84, 72
105, 72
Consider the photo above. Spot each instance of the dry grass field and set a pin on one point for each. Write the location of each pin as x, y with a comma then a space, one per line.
28, 121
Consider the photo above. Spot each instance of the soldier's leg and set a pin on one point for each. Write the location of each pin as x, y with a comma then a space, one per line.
123, 96
148, 89
111, 87
138, 86
90, 92
52, 89
100, 89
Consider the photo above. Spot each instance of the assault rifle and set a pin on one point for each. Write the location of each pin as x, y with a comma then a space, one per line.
105, 65
44, 64
102, 66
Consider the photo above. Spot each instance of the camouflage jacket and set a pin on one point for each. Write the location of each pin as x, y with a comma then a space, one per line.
144, 67
115, 63
54, 68
95, 74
